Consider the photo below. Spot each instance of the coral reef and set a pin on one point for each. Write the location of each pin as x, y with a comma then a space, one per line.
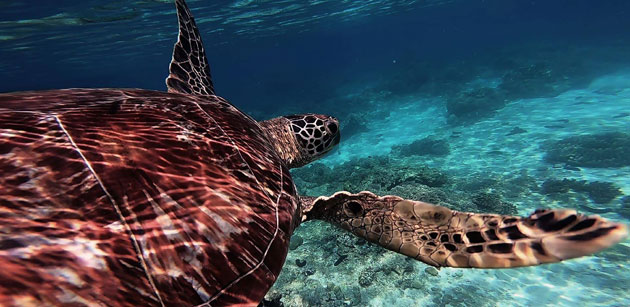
467, 295
314, 172
492, 203
510, 186
377, 174
423, 147
422, 193
553, 186
531, 81
472, 105
601, 150
383, 175
599, 192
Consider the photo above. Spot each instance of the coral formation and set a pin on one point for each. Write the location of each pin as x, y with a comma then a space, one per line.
472, 105
383, 175
492, 203
314, 172
423, 147
553, 186
531, 81
377, 174
511, 186
599, 192
366, 277
602, 150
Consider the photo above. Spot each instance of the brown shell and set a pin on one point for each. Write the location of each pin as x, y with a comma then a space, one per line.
136, 197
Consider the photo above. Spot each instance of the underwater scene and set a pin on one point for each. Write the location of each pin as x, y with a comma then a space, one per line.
488, 106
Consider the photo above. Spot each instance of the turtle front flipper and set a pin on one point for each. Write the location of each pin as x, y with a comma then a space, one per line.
439, 236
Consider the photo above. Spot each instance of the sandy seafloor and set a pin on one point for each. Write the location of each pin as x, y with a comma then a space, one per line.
480, 148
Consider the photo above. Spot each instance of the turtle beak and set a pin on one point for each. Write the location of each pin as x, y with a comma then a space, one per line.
337, 139
333, 127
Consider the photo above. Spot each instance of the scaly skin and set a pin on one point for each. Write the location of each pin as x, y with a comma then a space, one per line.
440, 237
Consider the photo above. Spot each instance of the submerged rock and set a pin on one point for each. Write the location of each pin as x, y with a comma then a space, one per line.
432, 271
340, 259
296, 241
516, 130
353, 124
273, 302
300, 263
625, 207
309, 272
571, 168
412, 282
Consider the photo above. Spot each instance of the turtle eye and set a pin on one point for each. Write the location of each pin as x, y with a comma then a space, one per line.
332, 127
352, 208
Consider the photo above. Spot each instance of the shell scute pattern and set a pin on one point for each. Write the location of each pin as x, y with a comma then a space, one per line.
44, 232
190, 179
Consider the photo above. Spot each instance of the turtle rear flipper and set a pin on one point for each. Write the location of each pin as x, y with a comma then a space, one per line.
439, 236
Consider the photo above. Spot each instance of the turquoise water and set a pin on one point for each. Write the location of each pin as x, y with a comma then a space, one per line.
502, 98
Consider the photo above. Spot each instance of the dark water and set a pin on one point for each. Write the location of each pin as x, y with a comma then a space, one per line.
527, 101
256, 60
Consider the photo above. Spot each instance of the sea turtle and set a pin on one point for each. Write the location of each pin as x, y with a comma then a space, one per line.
144, 198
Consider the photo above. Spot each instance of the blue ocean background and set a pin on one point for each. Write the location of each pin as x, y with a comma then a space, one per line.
497, 105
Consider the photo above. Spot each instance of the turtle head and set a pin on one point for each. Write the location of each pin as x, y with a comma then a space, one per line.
301, 139
315, 134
